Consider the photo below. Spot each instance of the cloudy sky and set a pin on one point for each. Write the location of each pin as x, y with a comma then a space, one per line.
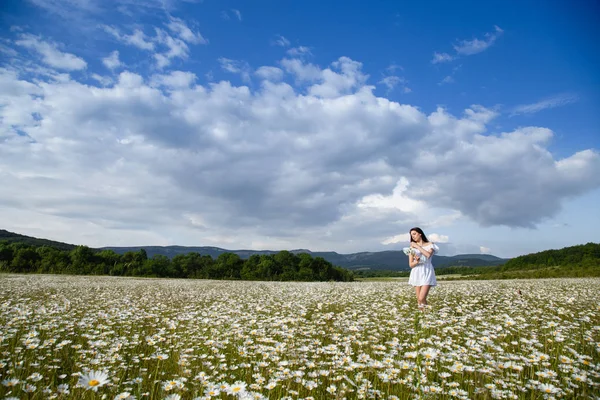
282, 125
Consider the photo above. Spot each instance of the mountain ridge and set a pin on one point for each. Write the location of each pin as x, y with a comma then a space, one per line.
394, 260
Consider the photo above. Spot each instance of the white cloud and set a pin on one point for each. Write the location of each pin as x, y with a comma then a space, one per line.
345, 77
50, 53
180, 28
446, 80
270, 73
174, 80
405, 238
137, 39
441, 58
8, 51
303, 72
401, 238
437, 238
72, 9
551, 102
236, 67
112, 61
474, 46
177, 48
102, 80
236, 13
484, 250
468, 47
281, 41
392, 68
299, 51
399, 199
321, 164
69, 9
392, 81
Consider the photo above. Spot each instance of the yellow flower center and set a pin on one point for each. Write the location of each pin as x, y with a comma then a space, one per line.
94, 382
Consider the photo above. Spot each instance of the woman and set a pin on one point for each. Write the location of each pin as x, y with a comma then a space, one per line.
422, 274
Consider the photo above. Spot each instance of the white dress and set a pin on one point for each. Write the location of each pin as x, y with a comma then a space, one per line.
423, 274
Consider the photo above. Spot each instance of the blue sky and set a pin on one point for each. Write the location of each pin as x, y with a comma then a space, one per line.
320, 125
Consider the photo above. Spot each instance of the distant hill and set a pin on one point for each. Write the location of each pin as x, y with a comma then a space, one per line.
584, 254
487, 257
379, 260
11, 237
574, 261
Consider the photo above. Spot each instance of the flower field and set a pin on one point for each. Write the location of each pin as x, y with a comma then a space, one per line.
68, 337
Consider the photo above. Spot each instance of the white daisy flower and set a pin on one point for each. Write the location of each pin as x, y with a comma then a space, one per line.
93, 380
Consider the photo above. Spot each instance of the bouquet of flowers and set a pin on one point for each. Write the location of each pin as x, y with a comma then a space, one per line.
409, 250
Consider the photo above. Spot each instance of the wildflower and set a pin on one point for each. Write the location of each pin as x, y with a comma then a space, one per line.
124, 396
548, 388
93, 380
169, 385
212, 391
237, 388
310, 385
36, 377
63, 388
430, 354
11, 382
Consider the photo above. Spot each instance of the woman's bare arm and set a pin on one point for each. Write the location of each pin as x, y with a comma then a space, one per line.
412, 260
426, 253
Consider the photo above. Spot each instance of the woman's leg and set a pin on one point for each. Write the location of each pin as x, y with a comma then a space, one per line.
422, 296
418, 293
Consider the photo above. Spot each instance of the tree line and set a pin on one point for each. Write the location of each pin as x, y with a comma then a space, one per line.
583, 255
82, 260
575, 261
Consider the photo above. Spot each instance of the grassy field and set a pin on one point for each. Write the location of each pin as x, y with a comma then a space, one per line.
65, 337
384, 279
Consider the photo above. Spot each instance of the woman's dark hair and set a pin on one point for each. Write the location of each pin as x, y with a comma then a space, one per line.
420, 231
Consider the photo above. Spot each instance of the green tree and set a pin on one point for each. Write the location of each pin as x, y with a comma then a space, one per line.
250, 270
83, 260
159, 266
229, 266
111, 263
53, 260
26, 259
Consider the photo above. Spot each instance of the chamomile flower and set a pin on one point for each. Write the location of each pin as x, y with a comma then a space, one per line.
11, 382
93, 380
236, 388
124, 396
